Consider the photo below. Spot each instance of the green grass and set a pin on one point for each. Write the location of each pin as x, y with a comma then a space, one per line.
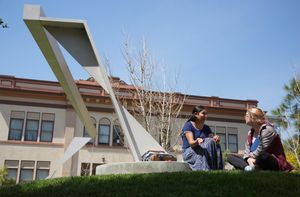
214, 183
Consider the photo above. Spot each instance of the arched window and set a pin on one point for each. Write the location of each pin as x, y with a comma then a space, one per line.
118, 135
86, 134
104, 131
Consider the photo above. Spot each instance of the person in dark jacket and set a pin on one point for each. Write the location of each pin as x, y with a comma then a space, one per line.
263, 149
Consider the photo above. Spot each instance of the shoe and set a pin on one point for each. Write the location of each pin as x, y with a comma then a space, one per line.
248, 169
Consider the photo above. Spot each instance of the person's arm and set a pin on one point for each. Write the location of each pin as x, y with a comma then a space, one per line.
251, 161
266, 138
211, 135
190, 138
217, 138
247, 151
247, 155
247, 148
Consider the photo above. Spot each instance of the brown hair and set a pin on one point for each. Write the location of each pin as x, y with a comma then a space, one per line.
257, 115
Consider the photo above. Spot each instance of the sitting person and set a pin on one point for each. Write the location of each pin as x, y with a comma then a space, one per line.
264, 149
200, 148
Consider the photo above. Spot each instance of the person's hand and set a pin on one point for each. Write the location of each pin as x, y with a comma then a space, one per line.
200, 140
217, 138
251, 161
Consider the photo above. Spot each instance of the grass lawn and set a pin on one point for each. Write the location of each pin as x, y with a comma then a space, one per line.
213, 183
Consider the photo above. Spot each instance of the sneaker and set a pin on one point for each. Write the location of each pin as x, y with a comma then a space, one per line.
248, 169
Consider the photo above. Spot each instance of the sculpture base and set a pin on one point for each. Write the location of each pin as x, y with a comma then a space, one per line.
142, 167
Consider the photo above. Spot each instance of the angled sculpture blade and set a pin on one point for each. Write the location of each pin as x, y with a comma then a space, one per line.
56, 60
75, 37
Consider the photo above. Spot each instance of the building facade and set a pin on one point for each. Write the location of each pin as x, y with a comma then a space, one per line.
37, 123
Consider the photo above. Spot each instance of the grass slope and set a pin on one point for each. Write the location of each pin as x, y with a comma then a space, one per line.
214, 183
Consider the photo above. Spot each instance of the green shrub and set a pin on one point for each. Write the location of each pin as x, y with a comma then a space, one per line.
3, 177
291, 158
199, 183
225, 154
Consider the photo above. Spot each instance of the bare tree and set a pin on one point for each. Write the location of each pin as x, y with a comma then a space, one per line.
140, 67
156, 104
3, 24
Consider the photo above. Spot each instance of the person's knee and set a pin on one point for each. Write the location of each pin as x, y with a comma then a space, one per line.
266, 161
199, 150
230, 157
210, 141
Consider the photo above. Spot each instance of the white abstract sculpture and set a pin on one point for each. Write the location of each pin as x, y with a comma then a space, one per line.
75, 37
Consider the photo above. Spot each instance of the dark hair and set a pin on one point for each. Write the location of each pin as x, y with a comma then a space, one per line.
196, 109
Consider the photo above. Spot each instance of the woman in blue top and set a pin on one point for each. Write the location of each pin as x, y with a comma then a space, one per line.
200, 148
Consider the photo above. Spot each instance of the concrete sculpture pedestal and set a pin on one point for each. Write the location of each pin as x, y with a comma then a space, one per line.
142, 167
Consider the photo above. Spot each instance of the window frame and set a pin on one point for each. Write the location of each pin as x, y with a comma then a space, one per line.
223, 142
85, 171
27, 168
9, 166
10, 128
236, 144
120, 135
86, 134
100, 133
43, 131
222, 130
39, 168
27, 130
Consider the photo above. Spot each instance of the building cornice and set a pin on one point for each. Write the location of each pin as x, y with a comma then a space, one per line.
94, 93
30, 143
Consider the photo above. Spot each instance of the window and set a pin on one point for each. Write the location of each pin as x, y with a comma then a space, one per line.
41, 174
31, 130
42, 170
222, 141
12, 173
86, 134
221, 131
46, 134
27, 168
94, 166
16, 125
26, 175
85, 169
104, 131
12, 169
34, 130
232, 139
228, 137
118, 136
32, 126
47, 127
232, 143
213, 129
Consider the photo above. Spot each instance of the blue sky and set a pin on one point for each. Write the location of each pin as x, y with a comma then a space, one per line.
232, 49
